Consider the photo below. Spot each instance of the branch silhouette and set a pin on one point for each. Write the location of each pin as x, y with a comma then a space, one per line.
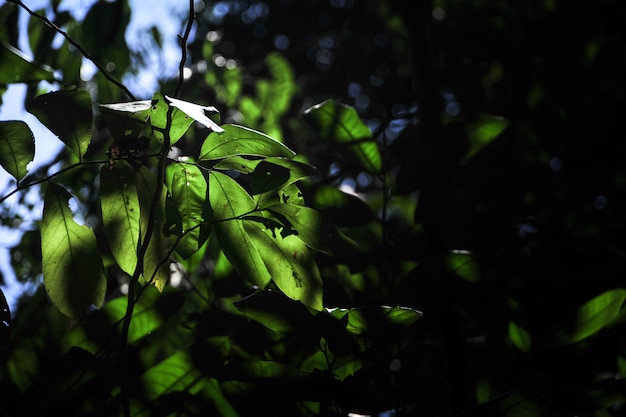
75, 44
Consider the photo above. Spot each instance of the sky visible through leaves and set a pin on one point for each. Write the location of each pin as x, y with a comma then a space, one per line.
167, 16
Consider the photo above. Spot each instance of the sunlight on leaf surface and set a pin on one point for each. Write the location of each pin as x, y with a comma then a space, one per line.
290, 264
229, 201
120, 213
596, 314
341, 124
315, 230
483, 131
72, 267
240, 140
520, 337
155, 265
189, 191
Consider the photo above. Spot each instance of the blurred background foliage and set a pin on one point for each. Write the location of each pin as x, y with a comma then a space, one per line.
498, 212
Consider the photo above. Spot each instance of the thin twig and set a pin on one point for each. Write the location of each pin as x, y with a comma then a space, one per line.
22, 186
82, 50
143, 247
183, 47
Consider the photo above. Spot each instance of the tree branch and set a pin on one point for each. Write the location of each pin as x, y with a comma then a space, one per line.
183, 45
82, 50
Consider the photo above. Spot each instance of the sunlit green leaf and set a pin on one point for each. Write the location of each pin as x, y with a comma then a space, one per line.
463, 264
520, 337
189, 191
155, 265
483, 131
178, 124
17, 147
126, 120
228, 202
72, 267
401, 316
290, 264
341, 125
315, 230
175, 373
358, 322
15, 67
67, 113
146, 318
120, 213
593, 316
239, 140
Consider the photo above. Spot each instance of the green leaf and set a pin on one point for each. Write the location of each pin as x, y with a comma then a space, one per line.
315, 230
239, 140
520, 337
237, 163
273, 174
593, 316
15, 67
189, 192
146, 318
341, 125
155, 263
463, 264
17, 148
120, 213
72, 268
358, 322
401, 316
228, 202
483, 131
178, 125
175, 373
67, 113
126, 120
290, 264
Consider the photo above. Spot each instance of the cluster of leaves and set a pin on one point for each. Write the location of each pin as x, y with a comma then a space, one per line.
505, 230
236, 202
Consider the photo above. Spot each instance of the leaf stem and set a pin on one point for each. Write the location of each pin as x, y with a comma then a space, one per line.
143, 247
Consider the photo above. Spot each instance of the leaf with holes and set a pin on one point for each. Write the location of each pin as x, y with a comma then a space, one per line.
229, 201
290, 263
315, 230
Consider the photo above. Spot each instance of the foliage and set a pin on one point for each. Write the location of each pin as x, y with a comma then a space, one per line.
261, 233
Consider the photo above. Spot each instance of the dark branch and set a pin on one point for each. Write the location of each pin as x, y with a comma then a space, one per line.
76, 45
183, 46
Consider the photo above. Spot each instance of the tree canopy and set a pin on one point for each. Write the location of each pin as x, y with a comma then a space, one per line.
327, 208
